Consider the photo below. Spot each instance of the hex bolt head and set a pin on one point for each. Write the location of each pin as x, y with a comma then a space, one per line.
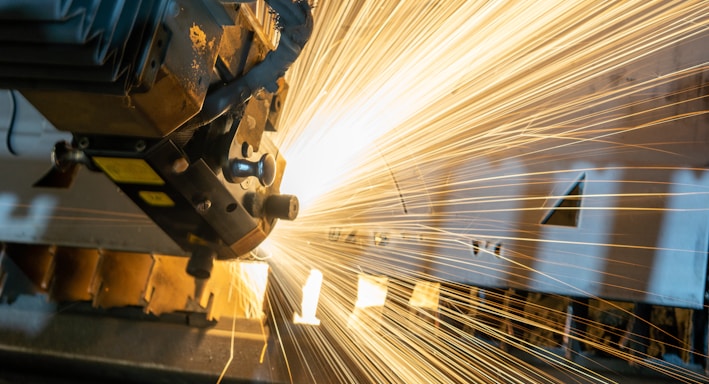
180, 165
83, 142
204, 205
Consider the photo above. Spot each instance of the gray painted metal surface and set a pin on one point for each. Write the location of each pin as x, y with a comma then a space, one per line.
642, 232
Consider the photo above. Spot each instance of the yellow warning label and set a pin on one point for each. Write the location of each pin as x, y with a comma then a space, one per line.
131, 171
156, 198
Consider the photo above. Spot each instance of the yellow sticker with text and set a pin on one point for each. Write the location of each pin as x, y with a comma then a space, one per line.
130, 171
156, 198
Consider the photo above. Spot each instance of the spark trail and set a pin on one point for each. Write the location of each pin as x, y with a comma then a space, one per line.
426, 124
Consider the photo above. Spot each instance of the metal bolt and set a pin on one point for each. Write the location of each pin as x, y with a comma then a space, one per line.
247, 150
204, 205
140, 145
83, 142
180, 165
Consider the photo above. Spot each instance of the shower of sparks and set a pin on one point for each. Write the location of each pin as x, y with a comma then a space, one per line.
409, 121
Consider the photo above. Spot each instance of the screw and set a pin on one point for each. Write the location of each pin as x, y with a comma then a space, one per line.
204, 205
84, 142
180, 165
140, 145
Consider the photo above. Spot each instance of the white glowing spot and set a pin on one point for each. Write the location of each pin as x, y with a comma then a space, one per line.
371, 291
425, 295
371, 296
251, 280
309, 303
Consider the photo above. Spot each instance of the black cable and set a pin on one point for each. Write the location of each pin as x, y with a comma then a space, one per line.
13, 117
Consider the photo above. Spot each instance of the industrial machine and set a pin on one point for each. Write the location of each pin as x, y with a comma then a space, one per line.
161, 110
140, 177
170, 101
